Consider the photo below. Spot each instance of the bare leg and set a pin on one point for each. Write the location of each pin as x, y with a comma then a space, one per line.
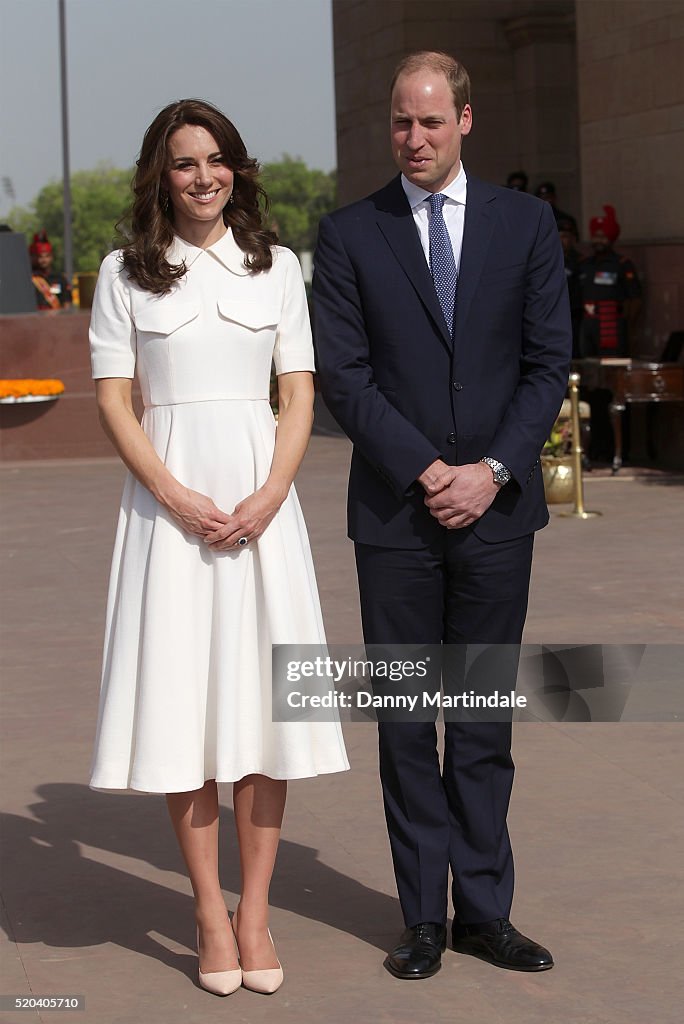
195, 818
259, 804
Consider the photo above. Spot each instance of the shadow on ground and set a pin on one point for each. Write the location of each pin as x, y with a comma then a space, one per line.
66, 896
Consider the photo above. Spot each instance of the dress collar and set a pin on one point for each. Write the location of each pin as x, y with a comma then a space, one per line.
455, 190
226, 251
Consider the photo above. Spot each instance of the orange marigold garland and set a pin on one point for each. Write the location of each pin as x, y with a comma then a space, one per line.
28, 386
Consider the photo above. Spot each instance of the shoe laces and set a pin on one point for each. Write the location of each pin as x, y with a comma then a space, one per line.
426, 932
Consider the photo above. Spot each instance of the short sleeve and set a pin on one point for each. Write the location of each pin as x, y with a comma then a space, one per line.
293, 347
112, 331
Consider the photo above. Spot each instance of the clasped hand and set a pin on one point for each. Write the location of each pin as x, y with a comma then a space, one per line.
199, 515
458, 495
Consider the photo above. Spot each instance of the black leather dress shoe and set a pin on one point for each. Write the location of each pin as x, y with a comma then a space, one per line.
419, 952
499, 943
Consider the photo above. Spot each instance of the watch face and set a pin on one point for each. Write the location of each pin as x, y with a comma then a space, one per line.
500, 473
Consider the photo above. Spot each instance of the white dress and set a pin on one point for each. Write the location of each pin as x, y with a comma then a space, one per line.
186, 679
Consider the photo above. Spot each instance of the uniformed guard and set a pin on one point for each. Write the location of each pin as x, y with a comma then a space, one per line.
611, 292
52, 288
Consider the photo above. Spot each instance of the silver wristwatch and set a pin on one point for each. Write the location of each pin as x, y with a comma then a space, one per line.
501, 474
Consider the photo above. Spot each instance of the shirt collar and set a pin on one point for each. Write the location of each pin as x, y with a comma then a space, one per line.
226, 251
455, 190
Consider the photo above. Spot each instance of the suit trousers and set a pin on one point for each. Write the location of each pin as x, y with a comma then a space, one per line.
454, 815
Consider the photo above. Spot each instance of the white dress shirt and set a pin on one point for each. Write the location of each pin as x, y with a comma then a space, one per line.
453, 210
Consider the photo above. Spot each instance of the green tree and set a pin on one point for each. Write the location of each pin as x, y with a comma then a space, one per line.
99, 198
299, 197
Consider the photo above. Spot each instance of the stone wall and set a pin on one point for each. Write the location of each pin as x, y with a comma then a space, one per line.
631, 114
42, 345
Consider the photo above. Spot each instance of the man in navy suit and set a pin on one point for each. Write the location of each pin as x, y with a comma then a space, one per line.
443, 342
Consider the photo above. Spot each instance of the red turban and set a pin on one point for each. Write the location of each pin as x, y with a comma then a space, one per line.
607, 224
40, 244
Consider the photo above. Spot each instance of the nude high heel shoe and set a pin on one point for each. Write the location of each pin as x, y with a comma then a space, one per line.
220, 983
266, 981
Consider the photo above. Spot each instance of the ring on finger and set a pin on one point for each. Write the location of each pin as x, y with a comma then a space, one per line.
241, 542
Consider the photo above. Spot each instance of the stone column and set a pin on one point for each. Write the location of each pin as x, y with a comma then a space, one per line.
545, 62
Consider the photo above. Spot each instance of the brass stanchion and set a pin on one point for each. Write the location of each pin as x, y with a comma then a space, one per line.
577, 482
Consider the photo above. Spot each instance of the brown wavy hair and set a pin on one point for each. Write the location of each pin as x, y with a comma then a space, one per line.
148, 228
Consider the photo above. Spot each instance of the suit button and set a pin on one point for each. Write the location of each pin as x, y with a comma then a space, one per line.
451, 438
457, 385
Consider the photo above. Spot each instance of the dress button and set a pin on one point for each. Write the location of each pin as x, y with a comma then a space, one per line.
451, 438
457, 385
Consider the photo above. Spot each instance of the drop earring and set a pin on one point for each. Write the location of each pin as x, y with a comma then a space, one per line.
164, 201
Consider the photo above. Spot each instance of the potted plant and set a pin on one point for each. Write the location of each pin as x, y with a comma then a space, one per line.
556, 462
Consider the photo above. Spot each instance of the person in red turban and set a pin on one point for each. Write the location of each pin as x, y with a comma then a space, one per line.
606, 226
52, 288
610, 291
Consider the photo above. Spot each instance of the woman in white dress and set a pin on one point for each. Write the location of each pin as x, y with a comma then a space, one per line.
211, 563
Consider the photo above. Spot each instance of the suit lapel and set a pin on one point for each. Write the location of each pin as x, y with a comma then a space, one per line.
395, 220
477, 235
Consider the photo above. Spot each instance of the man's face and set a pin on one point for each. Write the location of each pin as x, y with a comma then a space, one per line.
43, 261
600, 242
426, 132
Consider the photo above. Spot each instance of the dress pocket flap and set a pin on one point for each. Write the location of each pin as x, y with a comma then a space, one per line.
164, 318
255, 315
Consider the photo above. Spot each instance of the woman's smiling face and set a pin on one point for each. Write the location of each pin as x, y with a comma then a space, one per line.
197, 178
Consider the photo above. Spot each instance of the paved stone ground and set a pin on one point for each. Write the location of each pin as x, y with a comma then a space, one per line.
95, 899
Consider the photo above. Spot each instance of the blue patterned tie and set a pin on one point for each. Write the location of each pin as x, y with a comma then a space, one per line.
442, 263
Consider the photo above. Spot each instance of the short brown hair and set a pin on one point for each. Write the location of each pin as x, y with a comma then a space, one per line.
441, 63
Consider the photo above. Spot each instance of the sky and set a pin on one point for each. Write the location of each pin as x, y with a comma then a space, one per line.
266, 63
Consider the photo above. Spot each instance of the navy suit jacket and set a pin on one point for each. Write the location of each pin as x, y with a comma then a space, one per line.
406, 393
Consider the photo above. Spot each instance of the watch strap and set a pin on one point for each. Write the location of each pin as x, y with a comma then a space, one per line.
501, 473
